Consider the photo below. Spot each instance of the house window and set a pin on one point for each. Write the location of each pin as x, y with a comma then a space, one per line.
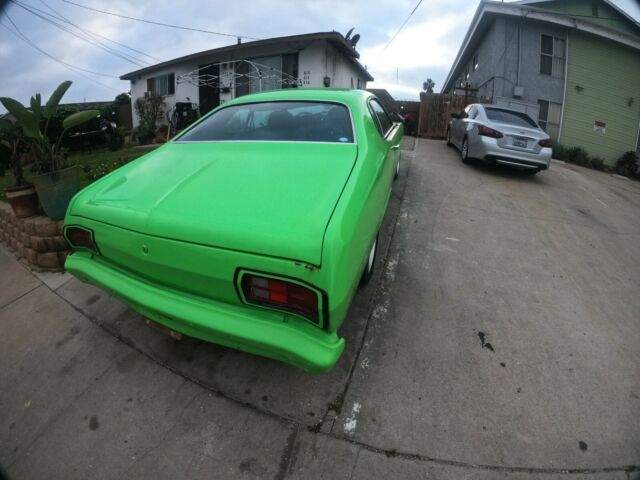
549, 117
474, 63
162, 85
552, 56
360, 84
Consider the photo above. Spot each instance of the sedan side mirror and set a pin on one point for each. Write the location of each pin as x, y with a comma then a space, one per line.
455, 115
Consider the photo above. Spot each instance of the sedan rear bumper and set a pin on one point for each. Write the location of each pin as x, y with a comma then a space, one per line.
487, 148
238, 327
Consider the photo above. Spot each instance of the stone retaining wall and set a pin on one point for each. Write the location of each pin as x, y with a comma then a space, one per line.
37, 239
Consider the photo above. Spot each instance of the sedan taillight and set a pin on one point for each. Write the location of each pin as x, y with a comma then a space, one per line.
281, 294
79, 237
489, 132
545, 143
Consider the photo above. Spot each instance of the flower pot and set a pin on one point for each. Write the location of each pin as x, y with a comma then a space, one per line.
56, 189
23, 200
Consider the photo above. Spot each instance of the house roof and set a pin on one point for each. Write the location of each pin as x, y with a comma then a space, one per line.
488, 10
333, 37
608, 2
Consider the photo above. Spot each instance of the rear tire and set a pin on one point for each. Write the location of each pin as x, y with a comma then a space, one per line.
532, 171
395, 177
449, 144
370, 264
464, 151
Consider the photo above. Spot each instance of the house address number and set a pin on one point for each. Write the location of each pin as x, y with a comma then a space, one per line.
306, 77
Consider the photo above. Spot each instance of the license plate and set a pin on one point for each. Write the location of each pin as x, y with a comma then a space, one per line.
167, 331
520, 142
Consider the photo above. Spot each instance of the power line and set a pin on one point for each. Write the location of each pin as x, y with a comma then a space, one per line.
98, 44
180, 27
23, 37
399, 30
77, 70
94, 34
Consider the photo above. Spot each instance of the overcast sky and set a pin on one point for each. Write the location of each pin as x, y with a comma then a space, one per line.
426, 47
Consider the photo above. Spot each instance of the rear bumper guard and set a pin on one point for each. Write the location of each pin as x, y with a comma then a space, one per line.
239, 327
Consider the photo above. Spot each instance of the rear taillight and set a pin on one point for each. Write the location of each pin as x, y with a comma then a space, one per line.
546, 143
79, 237
489, 132
282, 295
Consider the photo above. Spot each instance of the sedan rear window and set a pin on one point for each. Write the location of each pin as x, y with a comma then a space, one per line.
509, 116
276, 121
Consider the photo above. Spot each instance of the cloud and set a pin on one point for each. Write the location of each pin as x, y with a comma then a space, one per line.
425, 47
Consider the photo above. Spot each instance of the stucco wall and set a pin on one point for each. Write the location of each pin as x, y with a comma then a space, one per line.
182, 90
500, 69
602, 86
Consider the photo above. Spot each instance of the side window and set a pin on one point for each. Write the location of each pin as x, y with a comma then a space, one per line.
384, 122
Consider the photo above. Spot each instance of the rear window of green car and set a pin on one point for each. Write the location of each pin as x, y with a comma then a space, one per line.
275, 121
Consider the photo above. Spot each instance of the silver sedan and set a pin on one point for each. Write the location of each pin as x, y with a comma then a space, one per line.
500, 135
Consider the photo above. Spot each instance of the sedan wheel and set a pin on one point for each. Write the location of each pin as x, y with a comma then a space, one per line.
397, 170
371, 261
464, 151
449, 144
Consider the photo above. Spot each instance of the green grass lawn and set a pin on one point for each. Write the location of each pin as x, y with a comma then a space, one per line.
94, 164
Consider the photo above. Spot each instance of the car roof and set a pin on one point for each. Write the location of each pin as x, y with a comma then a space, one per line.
342, 95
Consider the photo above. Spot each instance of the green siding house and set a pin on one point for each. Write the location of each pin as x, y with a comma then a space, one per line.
575, 62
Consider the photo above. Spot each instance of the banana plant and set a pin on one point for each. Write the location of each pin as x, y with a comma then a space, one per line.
12, 138
34, 122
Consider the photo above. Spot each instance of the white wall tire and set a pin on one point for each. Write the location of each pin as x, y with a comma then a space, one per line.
370, 263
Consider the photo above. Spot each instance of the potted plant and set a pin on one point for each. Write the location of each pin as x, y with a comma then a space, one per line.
22, 195
56, 184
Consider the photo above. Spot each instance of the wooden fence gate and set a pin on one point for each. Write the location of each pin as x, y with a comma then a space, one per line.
436, 110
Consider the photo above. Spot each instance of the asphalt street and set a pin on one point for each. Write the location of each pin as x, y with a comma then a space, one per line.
499, 338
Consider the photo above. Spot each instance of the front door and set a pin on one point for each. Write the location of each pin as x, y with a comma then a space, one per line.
209, 90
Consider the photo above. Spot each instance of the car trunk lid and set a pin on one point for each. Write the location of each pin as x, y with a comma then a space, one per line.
519, 138
269, 198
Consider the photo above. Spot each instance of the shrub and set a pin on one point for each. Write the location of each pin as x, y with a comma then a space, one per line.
597, 163
627, 165
560, 152
99, 170
149, 109
578, 155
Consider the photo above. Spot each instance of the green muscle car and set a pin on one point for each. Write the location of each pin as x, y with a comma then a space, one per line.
252, 228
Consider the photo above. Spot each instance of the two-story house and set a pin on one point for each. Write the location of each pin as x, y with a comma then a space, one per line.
211, 77
575, 64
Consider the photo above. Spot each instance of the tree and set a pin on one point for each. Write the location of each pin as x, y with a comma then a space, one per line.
428, 85
122, 99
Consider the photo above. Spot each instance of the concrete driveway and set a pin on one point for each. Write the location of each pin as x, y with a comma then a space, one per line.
499, 339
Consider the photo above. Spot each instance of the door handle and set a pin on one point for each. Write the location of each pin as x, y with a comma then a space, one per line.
395, 147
